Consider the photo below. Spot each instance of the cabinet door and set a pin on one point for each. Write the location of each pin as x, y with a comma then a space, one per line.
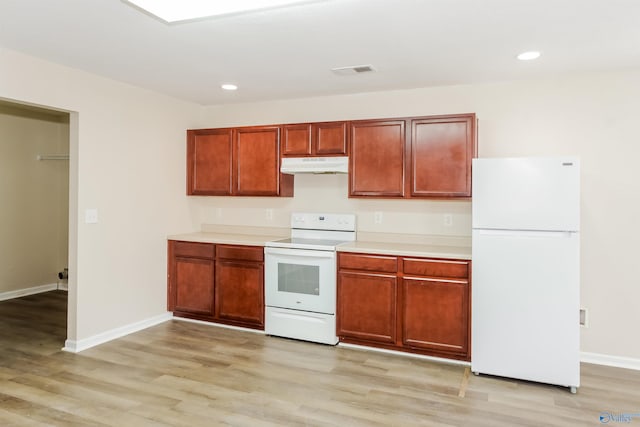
192, 285
367, 306
331, 138
209, 161
296, 140
377, 158
435, 314
240, 293
257, 154
441, 153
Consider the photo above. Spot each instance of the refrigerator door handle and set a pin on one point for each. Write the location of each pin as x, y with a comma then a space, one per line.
527, 233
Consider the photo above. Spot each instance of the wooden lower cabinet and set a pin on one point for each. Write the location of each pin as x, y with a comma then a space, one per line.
367, 306
420, 306
193, 285
217, 283
435, 314
190, 279
239, 289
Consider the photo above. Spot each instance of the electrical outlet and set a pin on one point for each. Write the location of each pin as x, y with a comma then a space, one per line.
584, 319
91, 216
377, 217
448, 220
269, 214
219, 212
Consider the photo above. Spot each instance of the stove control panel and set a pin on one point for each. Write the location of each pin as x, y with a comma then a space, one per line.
321, 221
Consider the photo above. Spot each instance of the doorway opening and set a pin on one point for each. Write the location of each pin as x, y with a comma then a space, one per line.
34, 217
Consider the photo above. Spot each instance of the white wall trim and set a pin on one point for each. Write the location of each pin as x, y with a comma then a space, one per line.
218, 325
28, 291
405, 354
608, 360
73, 346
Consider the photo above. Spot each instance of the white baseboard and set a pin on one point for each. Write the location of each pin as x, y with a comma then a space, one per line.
218, 325
80, 345
405, 354
608, 360
73, 346
28, 291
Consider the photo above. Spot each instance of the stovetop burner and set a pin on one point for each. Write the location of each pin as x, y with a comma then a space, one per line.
318, 231
305, 243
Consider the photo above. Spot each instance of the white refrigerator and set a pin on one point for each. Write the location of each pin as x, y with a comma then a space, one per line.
526, 269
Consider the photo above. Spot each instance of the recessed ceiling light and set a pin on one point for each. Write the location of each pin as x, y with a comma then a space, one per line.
183, 10
528, 56
229, 86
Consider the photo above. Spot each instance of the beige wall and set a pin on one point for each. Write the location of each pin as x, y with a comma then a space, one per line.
590, 115
34, 198
127, 148
127, 161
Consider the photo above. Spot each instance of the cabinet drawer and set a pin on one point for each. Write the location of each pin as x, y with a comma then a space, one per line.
437, 268
247, 253
193, 250
351, 261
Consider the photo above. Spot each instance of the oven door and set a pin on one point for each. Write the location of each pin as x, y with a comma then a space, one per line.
300, 279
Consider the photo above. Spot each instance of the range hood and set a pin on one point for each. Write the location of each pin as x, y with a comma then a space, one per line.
296, 165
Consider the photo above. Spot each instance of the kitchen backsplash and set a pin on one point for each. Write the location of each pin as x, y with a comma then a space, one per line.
328, 193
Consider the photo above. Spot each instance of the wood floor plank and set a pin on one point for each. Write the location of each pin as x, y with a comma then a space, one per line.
464, 383
188, 374
36, 407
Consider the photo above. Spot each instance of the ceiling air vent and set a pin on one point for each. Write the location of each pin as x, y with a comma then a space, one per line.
353, 69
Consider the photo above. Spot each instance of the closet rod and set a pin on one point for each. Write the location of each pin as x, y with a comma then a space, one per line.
52, 157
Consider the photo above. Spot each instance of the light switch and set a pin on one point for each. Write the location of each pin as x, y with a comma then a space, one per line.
91, 216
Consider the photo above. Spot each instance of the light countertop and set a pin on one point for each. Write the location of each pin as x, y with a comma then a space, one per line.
371, 247
225, 238
407, 249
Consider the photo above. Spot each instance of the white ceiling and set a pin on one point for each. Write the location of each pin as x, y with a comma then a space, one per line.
288, 52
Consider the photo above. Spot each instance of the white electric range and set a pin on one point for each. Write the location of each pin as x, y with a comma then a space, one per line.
300, 277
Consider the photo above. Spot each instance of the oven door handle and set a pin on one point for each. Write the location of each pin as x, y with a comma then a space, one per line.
300, 252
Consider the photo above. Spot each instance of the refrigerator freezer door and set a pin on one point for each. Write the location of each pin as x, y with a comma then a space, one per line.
526, 194
526, 293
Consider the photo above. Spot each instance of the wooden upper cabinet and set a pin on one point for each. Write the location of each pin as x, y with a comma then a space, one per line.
257, 153
315, 139
417, 157
331, 138
376, 162
296, 140
236, 162
209, 162
441, 152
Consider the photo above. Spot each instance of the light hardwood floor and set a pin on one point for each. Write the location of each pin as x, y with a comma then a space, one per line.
186, 374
